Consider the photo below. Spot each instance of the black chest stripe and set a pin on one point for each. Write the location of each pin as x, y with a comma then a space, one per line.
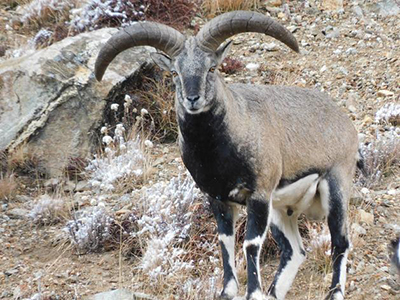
212, 158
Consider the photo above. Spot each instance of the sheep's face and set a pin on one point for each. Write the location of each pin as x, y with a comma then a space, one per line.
195, 74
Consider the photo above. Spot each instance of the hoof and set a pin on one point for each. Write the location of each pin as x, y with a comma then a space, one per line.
336, 295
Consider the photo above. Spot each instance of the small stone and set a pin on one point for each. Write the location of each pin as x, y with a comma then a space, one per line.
273, 3
368, 120
385, 93
365, 217
121, 294
358, 229
18, 213
271, 47
252, 66
23, 198
385, 287
352, 108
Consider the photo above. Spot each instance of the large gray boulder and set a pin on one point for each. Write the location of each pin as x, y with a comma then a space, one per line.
51, 103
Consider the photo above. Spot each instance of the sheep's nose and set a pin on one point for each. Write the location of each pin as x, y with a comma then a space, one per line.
193, 99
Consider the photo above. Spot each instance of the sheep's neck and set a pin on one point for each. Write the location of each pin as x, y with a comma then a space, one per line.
211, 156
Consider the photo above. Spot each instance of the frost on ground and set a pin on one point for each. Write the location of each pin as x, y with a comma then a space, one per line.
389, 113
37, 9
165, 222
121, 159
48, 210
95, 12
381, 156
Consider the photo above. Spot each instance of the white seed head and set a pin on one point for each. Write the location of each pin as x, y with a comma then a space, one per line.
143, 111
148, 144
114, 106
107, 139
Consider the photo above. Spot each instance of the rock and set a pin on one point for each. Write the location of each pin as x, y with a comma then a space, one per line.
358, 229
23, 198
273, 3
332, 5
18, 213
50, 102
120, 294
358, 11
252, 66
385, 8
365, 217
385, 93
271, 47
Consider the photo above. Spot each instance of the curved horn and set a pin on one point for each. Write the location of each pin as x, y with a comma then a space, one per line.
160, 36
216, 31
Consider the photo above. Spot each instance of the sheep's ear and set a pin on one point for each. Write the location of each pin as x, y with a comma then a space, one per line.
162, 60
222, 51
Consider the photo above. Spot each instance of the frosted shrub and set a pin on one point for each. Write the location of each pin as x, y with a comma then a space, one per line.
381, 156
90, 229
97, 12
389, 113
120, 160
39, 10
165, 224
47, 210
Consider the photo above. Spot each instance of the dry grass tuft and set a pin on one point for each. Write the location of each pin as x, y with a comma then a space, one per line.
24, 162
211, 8
8, 187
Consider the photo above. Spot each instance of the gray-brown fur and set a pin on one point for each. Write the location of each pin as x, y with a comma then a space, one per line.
255, 145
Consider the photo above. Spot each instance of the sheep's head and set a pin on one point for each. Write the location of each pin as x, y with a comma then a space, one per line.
194, 72
193, 62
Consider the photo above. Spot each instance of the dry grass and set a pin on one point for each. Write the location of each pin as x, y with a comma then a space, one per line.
211, 8
8, 187
23, 162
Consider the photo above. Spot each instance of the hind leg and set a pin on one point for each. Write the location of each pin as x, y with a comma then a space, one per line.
286, 233
336, 192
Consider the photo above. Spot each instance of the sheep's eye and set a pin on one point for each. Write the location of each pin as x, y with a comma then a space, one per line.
174, 73
212, 69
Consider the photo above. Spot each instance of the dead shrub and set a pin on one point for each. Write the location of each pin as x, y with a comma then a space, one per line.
231, 66
47, 210
150, 108
381, 158
115, 13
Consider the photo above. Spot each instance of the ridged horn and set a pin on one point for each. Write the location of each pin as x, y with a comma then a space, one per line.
153, 34
216, 31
